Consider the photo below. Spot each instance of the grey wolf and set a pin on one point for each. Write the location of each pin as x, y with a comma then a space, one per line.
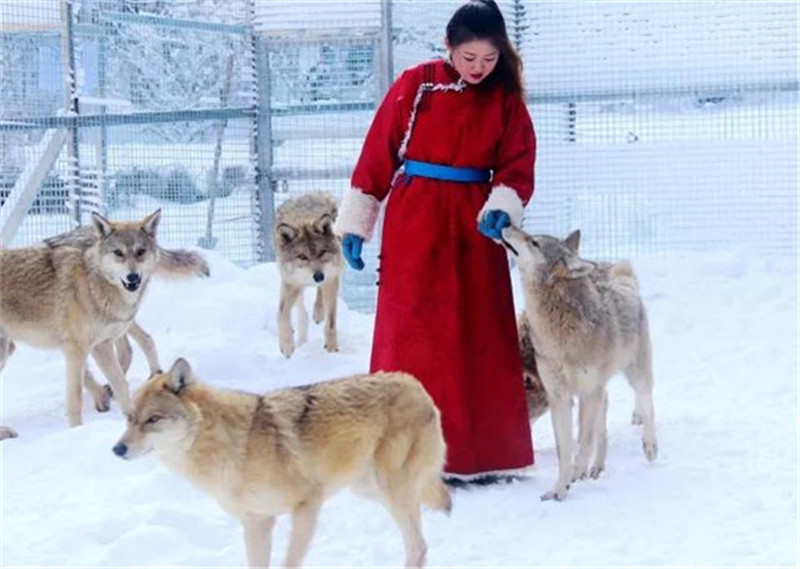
307, 254
287, 451
587, 323
79, 301
172, 263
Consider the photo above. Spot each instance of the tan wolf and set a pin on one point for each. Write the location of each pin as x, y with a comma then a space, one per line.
172, 263
79, 301
587, 322
307, 254
534, 388
287, 451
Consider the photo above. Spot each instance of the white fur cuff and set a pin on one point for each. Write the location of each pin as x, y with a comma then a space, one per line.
506, 199
358, 214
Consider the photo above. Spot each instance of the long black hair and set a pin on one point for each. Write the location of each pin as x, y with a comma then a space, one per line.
482, 20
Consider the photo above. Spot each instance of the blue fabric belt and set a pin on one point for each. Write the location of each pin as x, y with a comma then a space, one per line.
448, 173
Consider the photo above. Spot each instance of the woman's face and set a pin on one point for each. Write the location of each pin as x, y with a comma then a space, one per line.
474, 60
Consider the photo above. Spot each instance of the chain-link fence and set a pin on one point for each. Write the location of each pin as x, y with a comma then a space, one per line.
662, 126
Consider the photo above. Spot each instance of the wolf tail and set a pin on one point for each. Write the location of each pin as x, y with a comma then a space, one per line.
435, 495
181, 263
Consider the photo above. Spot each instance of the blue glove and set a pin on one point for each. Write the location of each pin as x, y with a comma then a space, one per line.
351, 249
493, 222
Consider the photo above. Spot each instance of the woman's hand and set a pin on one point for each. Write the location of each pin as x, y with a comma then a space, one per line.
493, 222
351, 249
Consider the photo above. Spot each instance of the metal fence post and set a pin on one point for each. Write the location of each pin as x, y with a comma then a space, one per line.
387, 53
265, 197
71, 105
102, 158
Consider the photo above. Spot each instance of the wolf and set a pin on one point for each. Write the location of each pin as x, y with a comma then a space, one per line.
79, 301
307, 254
172, 263
587, 322
287, 451
534, 389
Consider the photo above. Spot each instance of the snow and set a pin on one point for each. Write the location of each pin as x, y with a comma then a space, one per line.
723, 491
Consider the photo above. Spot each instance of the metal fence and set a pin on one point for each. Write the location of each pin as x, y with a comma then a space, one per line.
662, 126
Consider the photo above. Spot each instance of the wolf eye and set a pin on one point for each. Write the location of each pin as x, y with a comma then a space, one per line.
140, 252
322, 254
119, 254
153, 419
302, 257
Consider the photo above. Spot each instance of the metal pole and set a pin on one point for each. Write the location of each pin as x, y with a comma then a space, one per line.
102, 150
386, 48
265, 196
71, 105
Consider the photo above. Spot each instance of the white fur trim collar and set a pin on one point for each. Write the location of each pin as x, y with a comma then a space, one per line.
507, 200
358, 214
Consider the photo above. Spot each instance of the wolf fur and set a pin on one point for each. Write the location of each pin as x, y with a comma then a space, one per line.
308, 254
172, 263
587, 322
79, 301
534, 388
287, 451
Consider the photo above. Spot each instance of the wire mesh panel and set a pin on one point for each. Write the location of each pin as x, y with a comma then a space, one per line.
679, 124
161, 98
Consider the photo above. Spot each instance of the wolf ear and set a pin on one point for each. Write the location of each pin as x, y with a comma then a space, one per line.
287, 232
324, 224
180, 375
573, 268
150, 223
573, 240
102, 227
578, 268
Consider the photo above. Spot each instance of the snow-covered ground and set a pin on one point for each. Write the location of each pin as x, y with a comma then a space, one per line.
723, 492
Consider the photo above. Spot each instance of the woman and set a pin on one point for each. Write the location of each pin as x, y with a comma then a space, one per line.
445, 311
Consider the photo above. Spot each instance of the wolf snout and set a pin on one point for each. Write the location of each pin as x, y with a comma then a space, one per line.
318, 277
120, 449
132, 281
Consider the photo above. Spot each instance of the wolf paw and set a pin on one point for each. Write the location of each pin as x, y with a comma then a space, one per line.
579, 473
103, 401
287, 346
7, 433
650, 450
636, 419
331, 341
555, 494
595, 472
319, 314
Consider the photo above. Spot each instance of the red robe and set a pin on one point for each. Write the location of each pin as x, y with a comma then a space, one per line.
445, 311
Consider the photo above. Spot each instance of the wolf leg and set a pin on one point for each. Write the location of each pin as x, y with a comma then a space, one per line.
258, 539
302, 319
599, 464
330, 292
124, 352
76, 368
319, 307
107, 360
7, 348
640, 377
289, 296
405, 509
590, 406
148, 346
304, 521
101, 394
561, 416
